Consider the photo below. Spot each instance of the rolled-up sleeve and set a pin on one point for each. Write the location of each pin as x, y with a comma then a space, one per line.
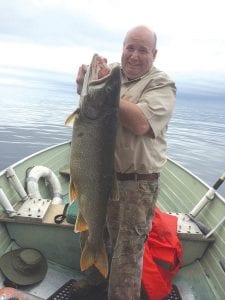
157, 103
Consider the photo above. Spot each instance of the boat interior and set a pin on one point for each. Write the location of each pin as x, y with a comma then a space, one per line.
200, 226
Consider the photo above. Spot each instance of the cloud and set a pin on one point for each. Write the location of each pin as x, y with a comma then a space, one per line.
61, 34
48, 24
51, 35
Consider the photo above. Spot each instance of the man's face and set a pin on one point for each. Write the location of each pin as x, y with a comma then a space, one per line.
138, 55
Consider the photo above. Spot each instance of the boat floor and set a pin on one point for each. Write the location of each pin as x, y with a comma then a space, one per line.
191, 282
56, 277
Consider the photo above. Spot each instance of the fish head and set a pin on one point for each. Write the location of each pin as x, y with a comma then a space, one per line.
100, 96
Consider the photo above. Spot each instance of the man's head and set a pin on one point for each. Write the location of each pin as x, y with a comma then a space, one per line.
139, 51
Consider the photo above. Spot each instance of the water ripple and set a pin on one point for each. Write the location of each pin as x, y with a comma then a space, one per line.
33, 115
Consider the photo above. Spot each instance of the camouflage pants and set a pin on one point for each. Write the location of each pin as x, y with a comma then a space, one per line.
129, 219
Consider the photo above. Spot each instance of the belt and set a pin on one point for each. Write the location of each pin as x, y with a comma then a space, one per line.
136, 176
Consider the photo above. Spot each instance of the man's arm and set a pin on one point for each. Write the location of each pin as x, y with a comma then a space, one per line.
134, 119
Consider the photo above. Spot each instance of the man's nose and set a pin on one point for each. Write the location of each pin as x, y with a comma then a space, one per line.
135, 53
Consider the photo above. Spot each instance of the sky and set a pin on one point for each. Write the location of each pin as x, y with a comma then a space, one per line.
59, 35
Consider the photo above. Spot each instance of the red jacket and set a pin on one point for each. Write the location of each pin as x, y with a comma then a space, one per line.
162, 256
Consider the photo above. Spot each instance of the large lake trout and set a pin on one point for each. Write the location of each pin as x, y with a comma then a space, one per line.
92, 157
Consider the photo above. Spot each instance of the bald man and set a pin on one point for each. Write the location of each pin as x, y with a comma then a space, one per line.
146, 106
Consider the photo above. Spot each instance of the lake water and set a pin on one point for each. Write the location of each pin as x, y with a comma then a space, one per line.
34, 105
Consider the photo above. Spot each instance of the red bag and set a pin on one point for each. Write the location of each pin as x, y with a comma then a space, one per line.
162, 256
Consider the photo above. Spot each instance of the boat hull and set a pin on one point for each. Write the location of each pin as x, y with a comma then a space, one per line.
180, 192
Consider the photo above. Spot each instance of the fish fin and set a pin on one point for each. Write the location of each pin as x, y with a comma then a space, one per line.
73, 194
87, 258
72, 117
99, 259
101, 262
81, 224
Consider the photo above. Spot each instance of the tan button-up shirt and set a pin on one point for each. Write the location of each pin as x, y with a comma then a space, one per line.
154, 93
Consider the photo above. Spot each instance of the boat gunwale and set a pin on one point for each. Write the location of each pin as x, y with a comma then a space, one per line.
19, 162
220, 197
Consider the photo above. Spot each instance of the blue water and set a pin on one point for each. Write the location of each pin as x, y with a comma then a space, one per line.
34, 105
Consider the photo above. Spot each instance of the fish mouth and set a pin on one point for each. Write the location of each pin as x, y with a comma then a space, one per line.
97, 73
99, 70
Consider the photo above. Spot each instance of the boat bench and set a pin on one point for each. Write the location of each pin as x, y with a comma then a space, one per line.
33, 218
194, 241
65, 172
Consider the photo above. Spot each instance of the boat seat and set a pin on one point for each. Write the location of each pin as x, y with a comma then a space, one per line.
194, 241
65, 172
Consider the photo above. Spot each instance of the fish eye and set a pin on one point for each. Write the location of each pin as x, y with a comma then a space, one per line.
108, 89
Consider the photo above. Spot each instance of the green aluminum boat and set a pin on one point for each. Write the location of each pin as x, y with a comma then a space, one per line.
27, 219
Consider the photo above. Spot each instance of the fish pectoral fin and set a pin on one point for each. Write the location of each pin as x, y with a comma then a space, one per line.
72, 117
99, 259
81, 224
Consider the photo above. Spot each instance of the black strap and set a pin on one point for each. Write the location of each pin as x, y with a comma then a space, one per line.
61, 217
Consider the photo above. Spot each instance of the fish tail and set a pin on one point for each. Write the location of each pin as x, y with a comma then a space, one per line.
101, 262
98, 258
